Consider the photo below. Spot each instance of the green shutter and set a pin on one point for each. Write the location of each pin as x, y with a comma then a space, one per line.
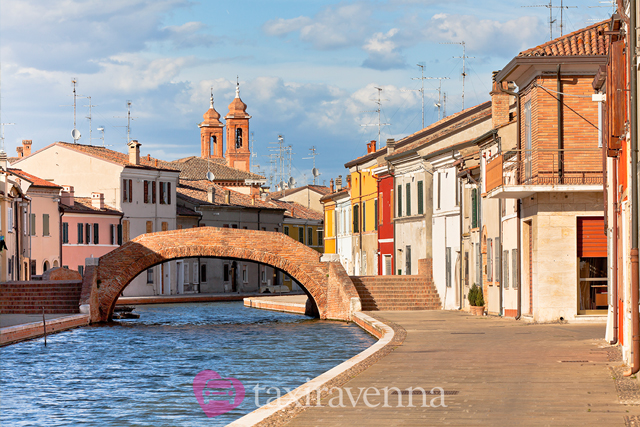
45, 224
408, 196
474, 208
420, 198
399, 200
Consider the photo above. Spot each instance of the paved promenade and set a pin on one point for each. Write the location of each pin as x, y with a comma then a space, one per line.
495, 372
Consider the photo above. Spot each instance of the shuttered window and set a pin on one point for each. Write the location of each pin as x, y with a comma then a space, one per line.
474, 208
80, 233
420, 198
592, 240
489, 260
514, 268
146, 191
65, 232
408, 197
45, 224
399, 201
96, 234
505, 269
496, 275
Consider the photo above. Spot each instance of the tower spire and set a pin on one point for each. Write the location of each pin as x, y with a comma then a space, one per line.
212, 98
237, 87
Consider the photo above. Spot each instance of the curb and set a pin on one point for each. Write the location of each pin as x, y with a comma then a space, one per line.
286, 307
26, 331
282, 410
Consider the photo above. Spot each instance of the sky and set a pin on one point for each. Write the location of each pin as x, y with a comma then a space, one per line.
307, 70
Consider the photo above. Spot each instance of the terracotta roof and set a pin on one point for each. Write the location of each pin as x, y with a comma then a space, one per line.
12, 160
195, 168
83, 205
443, 127
321, 189
362, 159
34, 180
584, 42
197, 192
185, 211
117, 157
334, 194
298, 211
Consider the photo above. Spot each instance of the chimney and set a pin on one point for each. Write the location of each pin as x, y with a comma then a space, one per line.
349, 181
67, 198
253, 200
391, 146
371, 147
331, 185
3, 160
211, 195
499, 102
339, 183
148, 157
263, 197
227, 197
20, 151
97, 200
26, 143
134, 152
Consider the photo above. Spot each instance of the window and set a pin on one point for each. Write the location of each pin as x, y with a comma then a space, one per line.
165, 226
32, 224
364, 216
474, 208
10, 219
33, 267
356, 215
80, 233
381, 207
65, 232
407, 256
320, 243
439, 187
245, 275
153, 192
399, 201
150, 275
505, 269
263, 273
466, 268
125, 231
496, 275
286, 230
45, 267
375, 214
87, 229
45, 224
149, 227
225, 273
301, 234
238, 137
185, 273
420, 198
96, 234
489, 260
120, 234
408, 197
195, 273
112, 234
81, 270
127, 190
514, 268
448, 266
146, 192
203, 273
387, 265
309, 236
163, 193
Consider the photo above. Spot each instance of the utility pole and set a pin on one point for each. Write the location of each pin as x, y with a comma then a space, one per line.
377, 110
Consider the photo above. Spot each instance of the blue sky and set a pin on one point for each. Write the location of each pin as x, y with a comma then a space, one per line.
307, 69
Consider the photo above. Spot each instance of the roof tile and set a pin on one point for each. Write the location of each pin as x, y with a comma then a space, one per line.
586, 41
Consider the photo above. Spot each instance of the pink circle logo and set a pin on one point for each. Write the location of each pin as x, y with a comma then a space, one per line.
217, 395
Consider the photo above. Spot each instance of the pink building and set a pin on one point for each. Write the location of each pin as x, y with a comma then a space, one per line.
89, 228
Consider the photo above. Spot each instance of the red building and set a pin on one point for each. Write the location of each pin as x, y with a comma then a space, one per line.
386, 250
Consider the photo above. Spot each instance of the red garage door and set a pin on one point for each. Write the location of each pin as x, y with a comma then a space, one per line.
592, 240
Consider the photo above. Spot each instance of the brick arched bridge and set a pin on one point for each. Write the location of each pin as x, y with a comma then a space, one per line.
327, 284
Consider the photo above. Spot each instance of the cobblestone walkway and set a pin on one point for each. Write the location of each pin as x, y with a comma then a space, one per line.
495, 372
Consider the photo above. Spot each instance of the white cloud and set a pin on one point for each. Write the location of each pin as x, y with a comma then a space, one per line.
384, 52
281, 27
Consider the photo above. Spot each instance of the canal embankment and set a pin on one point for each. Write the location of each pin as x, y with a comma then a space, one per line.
184, 298
20, 327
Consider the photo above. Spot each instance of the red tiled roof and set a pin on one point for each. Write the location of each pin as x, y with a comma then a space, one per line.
334, 194
317, 188
195, 168
118, 157
34, 180
298, 211
84, 205
584, 42
197, 192
185, 211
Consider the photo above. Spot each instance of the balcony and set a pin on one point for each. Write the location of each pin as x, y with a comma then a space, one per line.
521, 173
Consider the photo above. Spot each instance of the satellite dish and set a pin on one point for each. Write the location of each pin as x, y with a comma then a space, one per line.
210, 176
292, 182
281, 185
75, 134
315, 172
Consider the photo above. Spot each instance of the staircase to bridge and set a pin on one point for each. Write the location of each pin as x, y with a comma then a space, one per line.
30, 297
396, 293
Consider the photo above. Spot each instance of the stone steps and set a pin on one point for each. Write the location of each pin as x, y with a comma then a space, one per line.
31, 297
396, 293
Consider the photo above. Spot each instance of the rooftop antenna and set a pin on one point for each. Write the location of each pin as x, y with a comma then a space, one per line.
90, 117
550, 6
129, 118
464, 64
444, 105
314, 171
101, 130
421, 90
611, 3
2, 125
75, 133
377, 110
439, 104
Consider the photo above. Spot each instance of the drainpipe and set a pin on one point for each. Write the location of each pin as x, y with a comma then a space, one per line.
560, 124
461, 251
360, 217
519, 267
499, 258
61, 212
635, 348
614, 250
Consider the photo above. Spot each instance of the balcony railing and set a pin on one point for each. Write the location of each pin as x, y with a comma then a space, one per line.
545, 167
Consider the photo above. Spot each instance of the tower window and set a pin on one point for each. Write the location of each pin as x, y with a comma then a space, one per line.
212, 144
238, 138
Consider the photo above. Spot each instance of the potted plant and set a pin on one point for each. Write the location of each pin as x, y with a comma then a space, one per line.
476, 300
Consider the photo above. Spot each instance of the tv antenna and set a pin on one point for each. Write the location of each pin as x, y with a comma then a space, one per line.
280, 159
75, 133
377, 110
314, 171
255, 166
101, 130
90, 118
129, 118
2, 125
611, 3
550, 6
464, 64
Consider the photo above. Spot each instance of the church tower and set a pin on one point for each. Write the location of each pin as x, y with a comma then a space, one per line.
211, 134
238, 154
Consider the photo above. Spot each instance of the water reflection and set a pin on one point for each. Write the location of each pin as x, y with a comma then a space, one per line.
140, 372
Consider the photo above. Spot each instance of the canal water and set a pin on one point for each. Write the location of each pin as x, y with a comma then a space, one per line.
141, 372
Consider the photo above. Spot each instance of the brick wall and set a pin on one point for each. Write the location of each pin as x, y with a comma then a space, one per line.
61, 273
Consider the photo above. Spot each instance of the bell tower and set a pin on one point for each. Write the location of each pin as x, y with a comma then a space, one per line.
211, 134
238, 154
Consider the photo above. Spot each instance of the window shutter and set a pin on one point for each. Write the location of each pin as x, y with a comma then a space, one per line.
448, 267
505, 269
87, 229
125, 198
80, 233
130, 190
310, 236
616, 94
514, 268
375, 214
364, 216
399, 200
168, 193
65, 232
119, 234
96, 234
420, 198
474, 208
32, 224
496, 275
112, 234
149, 226
146, 191
408, 197
45, 224
153, 192
489, 260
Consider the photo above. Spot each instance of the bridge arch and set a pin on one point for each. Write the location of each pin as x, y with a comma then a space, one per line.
119, 267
